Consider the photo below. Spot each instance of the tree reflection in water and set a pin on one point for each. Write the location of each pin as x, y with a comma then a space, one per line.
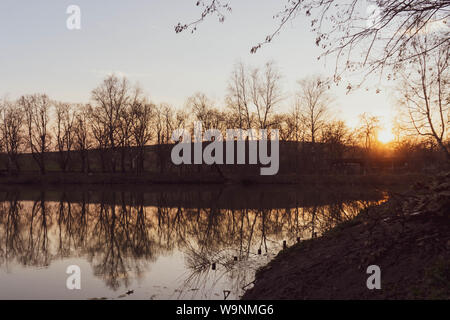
121, 236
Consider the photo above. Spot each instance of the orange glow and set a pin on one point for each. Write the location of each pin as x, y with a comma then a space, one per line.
385, 136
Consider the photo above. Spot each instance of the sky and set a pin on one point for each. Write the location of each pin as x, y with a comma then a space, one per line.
136, 38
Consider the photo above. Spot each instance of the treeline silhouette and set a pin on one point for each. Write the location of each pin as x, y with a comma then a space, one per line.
113, 133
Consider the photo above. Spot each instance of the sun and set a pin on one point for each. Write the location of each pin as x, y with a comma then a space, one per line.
385, 136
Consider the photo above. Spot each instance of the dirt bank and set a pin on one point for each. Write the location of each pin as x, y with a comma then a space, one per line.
408, 238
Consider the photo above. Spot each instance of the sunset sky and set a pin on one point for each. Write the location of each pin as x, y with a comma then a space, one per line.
136, 38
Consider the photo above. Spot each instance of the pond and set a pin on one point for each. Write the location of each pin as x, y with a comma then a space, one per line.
160, 242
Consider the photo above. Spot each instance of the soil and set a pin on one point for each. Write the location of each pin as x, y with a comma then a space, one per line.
408, 237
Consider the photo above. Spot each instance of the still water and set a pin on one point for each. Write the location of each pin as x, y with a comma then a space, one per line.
157, 243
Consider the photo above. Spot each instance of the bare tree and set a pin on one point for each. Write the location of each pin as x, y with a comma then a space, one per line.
266, 92
425, 89
181, 119
125, 131
100, 137
239, 96
164, 123
37, 108
337, 136
295, 123
291, 125
142, 113
159, 124
358, 37
280, 121
254, 94
368, 129
111, 99
12, 133
83, 139
314, 100
203, 109
64, 132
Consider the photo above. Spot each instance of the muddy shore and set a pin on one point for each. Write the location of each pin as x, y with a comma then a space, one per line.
408, 237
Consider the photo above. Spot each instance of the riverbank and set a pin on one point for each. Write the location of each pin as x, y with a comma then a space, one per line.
232, 197
77, 178
408, 237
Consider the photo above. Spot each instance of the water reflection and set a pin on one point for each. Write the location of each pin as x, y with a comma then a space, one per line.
160, 244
